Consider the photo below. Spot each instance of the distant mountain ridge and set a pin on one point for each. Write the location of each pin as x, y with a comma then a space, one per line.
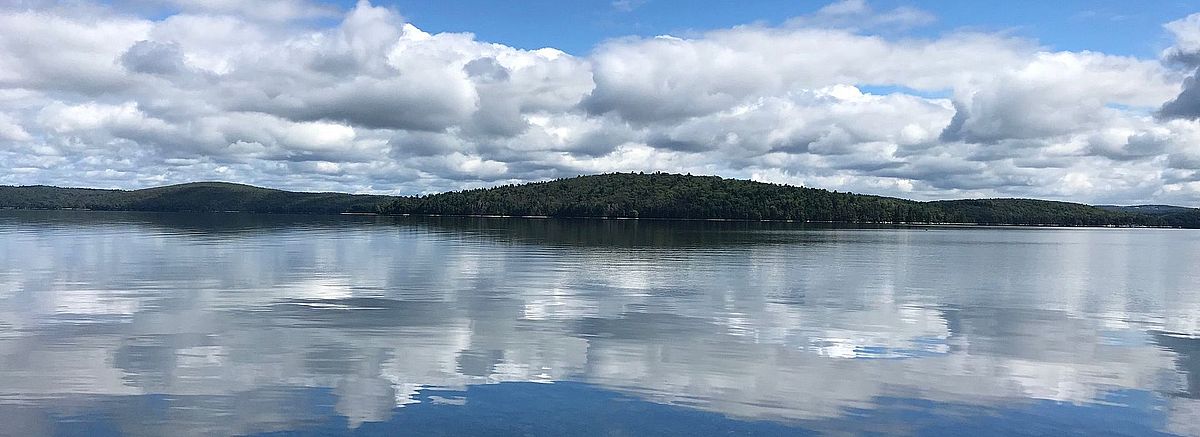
194, 197
619, 195
1147, 209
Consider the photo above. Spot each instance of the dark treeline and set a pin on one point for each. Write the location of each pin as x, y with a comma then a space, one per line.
672, 196
632, 195
1164, 215
201, 196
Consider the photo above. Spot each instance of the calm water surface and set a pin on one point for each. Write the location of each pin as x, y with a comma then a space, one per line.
178, 324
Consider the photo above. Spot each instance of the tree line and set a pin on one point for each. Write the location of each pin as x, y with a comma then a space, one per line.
627, 195
674, 196
192, 197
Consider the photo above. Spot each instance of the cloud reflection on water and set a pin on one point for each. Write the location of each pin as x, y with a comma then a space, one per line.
234, 317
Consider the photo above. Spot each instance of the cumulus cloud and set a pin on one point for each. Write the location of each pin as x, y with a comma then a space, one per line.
1185, 52
11, 131
1187, 103
301, 95
154, 58
1054, 94
1187, 36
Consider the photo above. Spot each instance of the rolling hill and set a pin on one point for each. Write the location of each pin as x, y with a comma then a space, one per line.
199, 196
624, 195
673, 196
1173, 216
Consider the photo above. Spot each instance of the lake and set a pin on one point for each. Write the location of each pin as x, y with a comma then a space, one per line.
218, 324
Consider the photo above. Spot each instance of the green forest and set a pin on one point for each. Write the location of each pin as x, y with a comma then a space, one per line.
616, 195
193, 197
673, 196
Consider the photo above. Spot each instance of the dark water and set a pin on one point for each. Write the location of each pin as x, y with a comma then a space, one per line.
177, 324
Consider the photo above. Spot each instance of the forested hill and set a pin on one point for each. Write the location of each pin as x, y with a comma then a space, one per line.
200, 196
1174, 216
661, 195
657, 195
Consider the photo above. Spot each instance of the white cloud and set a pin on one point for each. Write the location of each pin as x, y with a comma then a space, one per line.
627, 5
46, 52
1055, 94
1186, 32
858, 14
10, 130
220, 89
271, 10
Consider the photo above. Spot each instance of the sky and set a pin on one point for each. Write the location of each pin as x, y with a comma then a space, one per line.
1088, 101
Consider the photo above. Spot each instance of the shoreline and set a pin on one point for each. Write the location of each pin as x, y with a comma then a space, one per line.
655, 219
